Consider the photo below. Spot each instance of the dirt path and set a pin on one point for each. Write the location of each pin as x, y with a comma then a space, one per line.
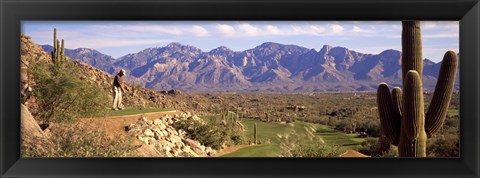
114, 126
352, 153
230, 149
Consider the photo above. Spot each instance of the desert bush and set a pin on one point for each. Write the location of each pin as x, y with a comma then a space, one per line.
452, 121
207, 134
77, 141
368, 146
443, 146
391, 153
238, 138
306, 145
371, 127
316, 149
62, 95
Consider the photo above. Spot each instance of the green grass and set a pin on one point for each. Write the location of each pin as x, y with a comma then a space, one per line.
453, 112
269, 131
133, 111
334, 137
256, 151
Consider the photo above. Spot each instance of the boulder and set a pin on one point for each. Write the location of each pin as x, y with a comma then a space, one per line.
29, 128
146, 151
157, 122
179, 144
148, 133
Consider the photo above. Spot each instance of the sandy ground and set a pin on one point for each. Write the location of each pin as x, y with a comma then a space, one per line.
352, 153
230, 149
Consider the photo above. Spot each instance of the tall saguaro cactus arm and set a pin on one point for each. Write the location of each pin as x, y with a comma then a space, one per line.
54, 52
389, 120
412, 58
413, 112
437, 111
413, 138
397, 101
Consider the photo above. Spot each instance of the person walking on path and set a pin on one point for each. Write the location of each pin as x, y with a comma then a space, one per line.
118, 90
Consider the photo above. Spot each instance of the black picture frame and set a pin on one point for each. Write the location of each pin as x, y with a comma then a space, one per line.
14, 11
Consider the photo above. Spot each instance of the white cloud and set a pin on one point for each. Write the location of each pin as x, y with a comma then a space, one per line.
111, 35
226, 30
335, 28
140, 29
357, 29
428, 24
86, 38
99, 43
314, 30
273, 30
375, 49
199, 31
248, 29
441, 35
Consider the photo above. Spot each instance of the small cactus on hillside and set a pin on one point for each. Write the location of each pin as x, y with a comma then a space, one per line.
403, 120
58, 53
255, 133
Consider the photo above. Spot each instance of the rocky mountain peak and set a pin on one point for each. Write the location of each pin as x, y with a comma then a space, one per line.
174, 45
428, 62
221, 50
325, 49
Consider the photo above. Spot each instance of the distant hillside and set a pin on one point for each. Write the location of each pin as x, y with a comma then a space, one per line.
270, 67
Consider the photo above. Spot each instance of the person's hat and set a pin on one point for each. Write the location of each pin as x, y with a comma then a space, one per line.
123, 72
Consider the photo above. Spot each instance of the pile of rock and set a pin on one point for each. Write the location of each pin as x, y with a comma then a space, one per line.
166, 139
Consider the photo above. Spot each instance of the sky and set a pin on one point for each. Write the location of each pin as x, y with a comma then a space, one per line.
119, 38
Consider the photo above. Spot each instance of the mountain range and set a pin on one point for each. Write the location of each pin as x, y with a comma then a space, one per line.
269, 67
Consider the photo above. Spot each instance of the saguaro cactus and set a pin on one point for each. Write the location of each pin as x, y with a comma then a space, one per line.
255, 133
62, 51
58, 53
402, 116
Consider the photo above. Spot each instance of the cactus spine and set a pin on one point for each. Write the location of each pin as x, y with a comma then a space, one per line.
255, 133
402, 116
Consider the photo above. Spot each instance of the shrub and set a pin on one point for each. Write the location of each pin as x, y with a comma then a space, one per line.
77, 141
368, 146
306, 145
391, 153
238, 138
61, 95
443, 146
207, 134
316, 149
372, 127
